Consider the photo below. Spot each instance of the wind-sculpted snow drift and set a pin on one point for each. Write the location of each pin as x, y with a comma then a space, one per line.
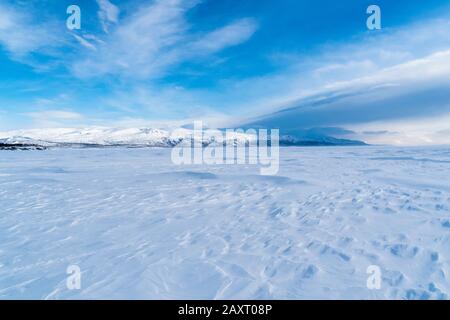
138, 226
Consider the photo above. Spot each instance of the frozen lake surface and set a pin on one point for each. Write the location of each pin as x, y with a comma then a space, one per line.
140, 227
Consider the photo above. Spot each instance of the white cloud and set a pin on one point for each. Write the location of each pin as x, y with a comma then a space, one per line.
383, 58
85, 43
55, 115
424, 131
230, 35
108, 14
156, 103
54, 118
398, 77
21, 34
156, 37
404, 104
141, 44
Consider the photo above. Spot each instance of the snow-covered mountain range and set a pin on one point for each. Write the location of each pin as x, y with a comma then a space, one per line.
148, 137
109, 137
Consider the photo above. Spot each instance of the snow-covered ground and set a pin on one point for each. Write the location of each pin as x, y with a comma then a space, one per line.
140, 227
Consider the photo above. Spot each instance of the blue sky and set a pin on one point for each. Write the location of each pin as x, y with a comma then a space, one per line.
291, 64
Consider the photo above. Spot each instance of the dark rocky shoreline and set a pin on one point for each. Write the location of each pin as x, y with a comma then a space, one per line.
20, 146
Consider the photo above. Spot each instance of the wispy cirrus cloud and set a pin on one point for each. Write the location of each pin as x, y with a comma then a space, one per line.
108, 14
229, 35
154, 38
141, 44
55, 114
84, 42
54, 118
21, 35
